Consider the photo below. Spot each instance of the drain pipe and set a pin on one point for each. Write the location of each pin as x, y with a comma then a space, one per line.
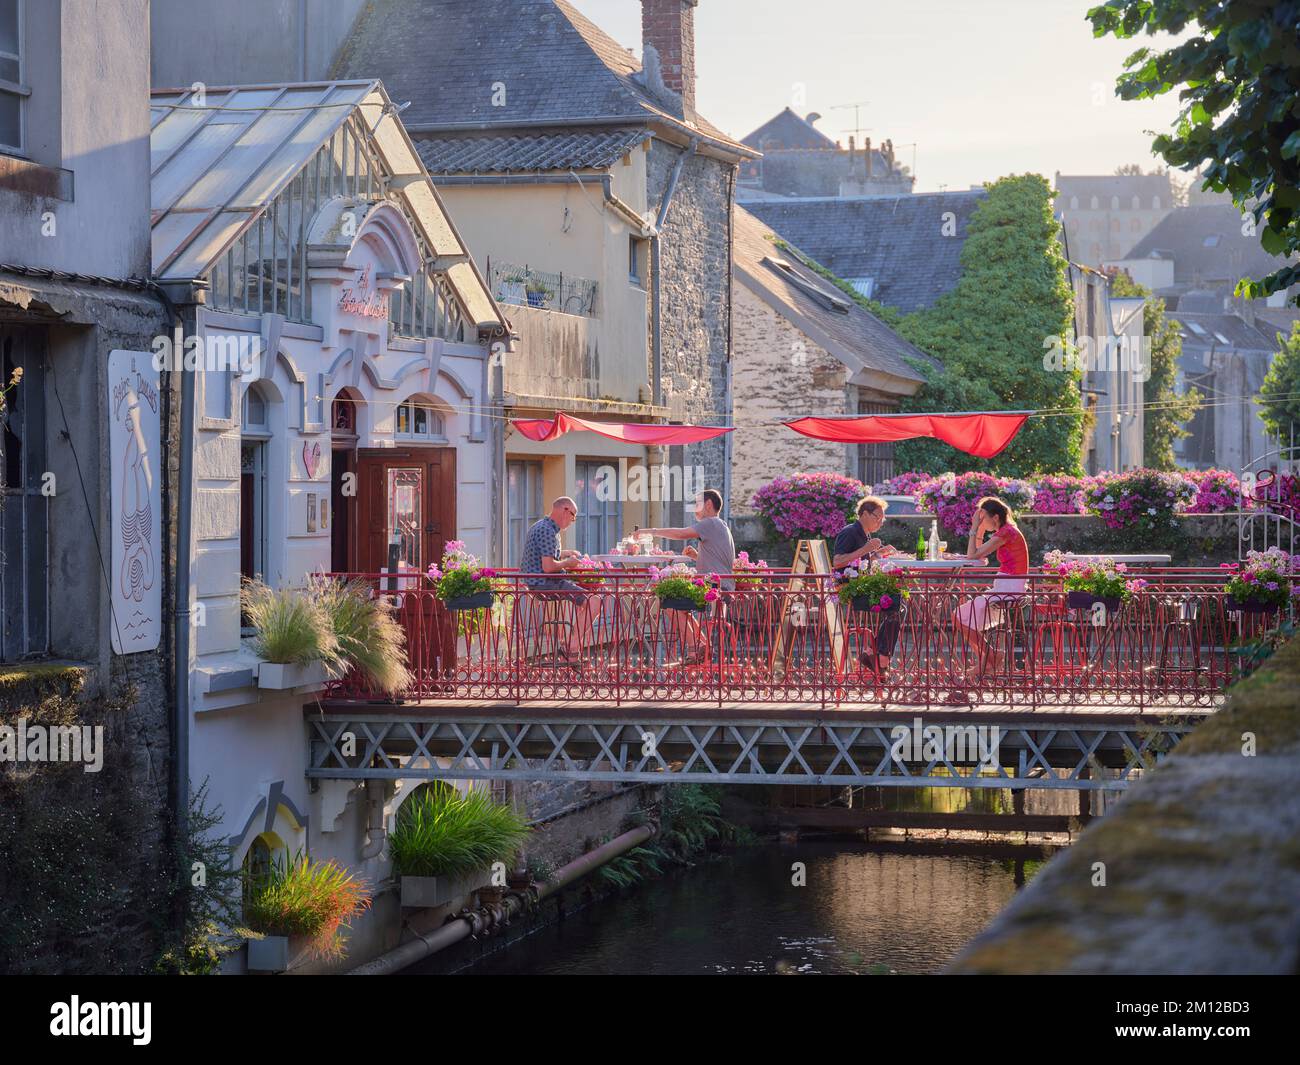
464, 925
378, 834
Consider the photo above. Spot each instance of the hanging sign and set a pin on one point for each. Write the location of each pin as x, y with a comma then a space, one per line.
135, 498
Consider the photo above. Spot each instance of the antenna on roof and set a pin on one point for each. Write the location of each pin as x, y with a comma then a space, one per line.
857, 116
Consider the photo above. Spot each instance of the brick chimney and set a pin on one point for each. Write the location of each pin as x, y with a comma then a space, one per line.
668, 26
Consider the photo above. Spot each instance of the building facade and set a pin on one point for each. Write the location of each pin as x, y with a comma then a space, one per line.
1106, 215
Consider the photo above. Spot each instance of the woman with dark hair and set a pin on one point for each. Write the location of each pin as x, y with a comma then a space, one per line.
992, 519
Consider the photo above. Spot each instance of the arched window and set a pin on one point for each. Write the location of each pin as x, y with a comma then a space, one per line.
1074, 203
256, 868
1155, 203
1114, 203
418, 419
1137, 202
254, 441
1095, 203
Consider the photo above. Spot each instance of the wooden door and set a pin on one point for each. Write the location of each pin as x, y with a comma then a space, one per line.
405, 496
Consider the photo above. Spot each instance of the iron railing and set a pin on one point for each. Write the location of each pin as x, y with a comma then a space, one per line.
778, 641
528, 287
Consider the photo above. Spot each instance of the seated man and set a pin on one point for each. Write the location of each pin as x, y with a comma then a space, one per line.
542, 554
856, 541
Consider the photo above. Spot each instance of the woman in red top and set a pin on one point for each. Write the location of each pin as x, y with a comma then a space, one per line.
992, 518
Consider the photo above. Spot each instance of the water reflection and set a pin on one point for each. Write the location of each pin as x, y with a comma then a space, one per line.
862, 911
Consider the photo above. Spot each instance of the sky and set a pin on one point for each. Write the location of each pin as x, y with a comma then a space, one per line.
983, 88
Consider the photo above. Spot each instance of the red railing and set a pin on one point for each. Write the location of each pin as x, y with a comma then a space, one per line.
775, 641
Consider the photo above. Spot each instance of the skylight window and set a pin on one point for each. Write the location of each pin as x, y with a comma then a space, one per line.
831, 298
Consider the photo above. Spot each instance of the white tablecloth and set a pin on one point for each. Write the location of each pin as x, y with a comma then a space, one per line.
1128, 560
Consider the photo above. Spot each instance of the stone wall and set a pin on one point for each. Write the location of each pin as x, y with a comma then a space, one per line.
777, 370
694, 295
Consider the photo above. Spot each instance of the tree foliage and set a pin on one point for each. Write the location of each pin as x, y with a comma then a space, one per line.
1238, 76
991, 332
1167, 410
1279, 396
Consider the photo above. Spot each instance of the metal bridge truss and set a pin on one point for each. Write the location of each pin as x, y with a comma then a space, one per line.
1090, 752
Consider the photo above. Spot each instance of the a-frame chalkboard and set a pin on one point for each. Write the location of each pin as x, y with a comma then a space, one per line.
810, 558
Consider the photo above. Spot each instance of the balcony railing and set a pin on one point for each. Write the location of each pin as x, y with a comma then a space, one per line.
780, 642
528, 287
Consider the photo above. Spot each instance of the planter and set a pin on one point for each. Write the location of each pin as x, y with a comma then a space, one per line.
670, 603
1249, 606
537, 299
276, 954
477, 601
862, 604
425, 892
281, 676
1086, 601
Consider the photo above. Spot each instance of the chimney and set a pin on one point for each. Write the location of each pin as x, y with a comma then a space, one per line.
668, 26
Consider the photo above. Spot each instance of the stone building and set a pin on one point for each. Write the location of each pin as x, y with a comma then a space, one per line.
803, 346
588, 179
902, 251
800, 160
1106, 215
85, 537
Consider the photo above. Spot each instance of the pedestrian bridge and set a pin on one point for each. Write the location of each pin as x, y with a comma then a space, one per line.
1081, 749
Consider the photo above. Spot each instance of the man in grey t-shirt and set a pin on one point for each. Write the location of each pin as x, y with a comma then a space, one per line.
717, 550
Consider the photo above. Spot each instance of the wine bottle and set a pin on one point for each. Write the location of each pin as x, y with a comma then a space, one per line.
920, 545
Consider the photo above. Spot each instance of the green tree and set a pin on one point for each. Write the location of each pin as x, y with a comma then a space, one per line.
991, 333
1238, 76
1167, 410
1279, 396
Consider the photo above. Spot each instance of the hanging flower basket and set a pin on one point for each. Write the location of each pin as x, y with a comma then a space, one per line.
477, 601
1249, 606
866, 604
1087, 600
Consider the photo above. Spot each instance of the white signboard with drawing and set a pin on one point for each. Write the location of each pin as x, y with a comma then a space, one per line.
135, 500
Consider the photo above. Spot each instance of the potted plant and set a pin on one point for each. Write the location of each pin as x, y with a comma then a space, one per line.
756, 571
538, 293
300, 907
462, 584
368, 637
679, 587
591, 573
291, 635
1263, 585
872, 587
444, 843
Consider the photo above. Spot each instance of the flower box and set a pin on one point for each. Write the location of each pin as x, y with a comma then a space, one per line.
1249, 606
477, 601
276, 954
426, 892
863, 604
281, 676
1086, 601
675, 603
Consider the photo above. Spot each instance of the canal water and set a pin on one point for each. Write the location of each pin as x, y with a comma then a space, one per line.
861, 911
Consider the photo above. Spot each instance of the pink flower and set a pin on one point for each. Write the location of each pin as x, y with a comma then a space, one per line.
886, 601
710, 595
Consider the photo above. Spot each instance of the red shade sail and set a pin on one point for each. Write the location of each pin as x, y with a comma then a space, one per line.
981, 435
629, 432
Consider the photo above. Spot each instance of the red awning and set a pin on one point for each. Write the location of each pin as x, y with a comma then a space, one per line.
981, 435
629, 432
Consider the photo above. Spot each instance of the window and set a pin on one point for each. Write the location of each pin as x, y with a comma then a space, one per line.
252, 484
1114, 203
12, 90
1212, 241
1074, 203
1155, 203
875, 461
523, 504
600, 513
24, 513
863, 285
417, 420
634, 260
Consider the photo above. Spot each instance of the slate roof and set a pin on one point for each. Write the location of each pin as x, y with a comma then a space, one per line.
453, 59
788, 130
824, 313
1224, 331
527, 152
895, 240
1182, 236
